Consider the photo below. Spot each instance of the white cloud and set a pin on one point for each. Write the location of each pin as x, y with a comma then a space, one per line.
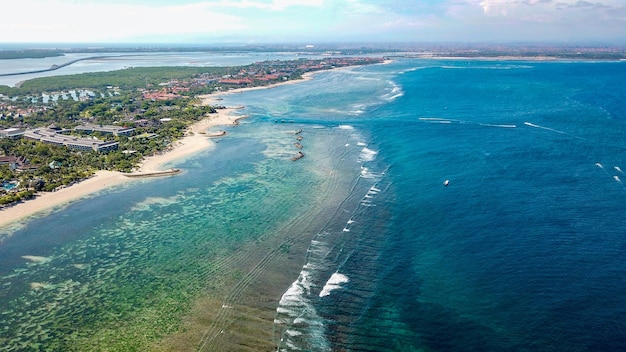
543, 20
513, 7
62, 21
274, 5
354, 7
169, 20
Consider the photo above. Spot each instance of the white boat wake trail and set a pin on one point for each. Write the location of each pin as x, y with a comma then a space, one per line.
456, 121
530, 124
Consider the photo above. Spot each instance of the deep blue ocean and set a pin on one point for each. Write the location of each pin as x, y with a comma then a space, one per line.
523, 250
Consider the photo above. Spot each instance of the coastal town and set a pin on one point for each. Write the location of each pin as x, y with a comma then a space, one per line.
51, 138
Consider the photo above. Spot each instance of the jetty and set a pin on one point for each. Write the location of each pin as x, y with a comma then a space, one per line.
154, 174
216, 134
236, 121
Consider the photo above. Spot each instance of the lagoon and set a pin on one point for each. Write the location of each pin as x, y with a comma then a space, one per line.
116, 61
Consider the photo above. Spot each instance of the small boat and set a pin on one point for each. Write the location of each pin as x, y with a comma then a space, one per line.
446, 182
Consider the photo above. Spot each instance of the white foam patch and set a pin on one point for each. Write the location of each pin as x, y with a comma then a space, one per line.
335, 282
282, 310
367, 154
345, 127
366, 173
37, 258
293, 333
396, 92
293, 295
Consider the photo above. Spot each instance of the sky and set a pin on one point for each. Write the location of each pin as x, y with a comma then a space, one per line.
313, 21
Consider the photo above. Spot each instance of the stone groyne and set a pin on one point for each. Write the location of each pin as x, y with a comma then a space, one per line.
154, 174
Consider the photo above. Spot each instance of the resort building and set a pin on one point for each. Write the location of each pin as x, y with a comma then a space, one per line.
236, 81
85, 144
114, 130
12, 133
12, 161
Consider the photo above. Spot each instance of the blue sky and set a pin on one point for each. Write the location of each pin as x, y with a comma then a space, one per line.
313, 21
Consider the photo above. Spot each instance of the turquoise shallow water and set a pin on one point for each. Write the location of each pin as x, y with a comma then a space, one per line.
522, 251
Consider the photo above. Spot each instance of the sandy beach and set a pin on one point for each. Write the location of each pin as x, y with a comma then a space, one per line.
47, 200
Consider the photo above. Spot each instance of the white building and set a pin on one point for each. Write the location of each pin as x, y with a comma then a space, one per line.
13, 133
52, 137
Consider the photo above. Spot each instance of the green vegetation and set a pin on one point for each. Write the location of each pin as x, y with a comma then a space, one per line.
9, 91
127, 79
28, 54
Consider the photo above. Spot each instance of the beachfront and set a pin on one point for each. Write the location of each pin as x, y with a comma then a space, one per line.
194, 141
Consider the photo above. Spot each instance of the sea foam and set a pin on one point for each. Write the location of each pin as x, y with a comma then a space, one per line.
335, 282
367, 154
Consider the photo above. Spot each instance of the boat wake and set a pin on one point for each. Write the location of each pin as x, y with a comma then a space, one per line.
457, 121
